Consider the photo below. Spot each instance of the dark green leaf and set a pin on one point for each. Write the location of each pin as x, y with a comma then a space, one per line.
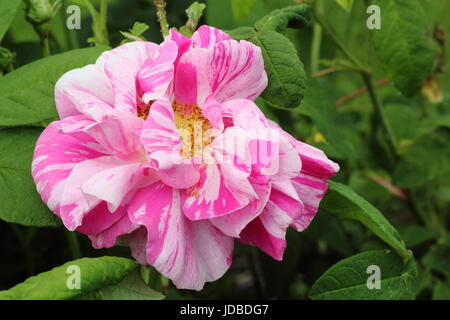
344, 203
19, 200
95, 273
414, 235
348, 279
27, 94
287, 79
402, 44
441, 291
427, 159
278, 20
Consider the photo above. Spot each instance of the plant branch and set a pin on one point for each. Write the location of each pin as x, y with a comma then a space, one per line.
360, 91
162, 16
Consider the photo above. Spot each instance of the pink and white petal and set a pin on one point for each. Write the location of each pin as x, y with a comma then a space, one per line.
55, 155
75, 204
310, 190
99, 219
191, 84
84, 90
211, 197
183, 43
314, 161
122, 65
109, 236
112, 185
180, 176
245, 114
208, 37
189, 253
268, 231
160, 136
155, 78
236, 70
118, 135
232, 224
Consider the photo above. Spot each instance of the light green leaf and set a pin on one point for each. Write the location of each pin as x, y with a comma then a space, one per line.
345, 204
19, 200
242, 8
347, 279
403, 45
132, 287
427, 159
346, 4
95, 273
194, 13
8, 11
27, 94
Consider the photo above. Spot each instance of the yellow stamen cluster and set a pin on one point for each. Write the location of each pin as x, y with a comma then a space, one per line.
193, 127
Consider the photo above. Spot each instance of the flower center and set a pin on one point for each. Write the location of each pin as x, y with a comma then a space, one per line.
143, 109
195, 130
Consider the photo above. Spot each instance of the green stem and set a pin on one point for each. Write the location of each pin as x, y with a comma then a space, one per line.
379, 110
336, 39
162, 16
45, 46
74, 245
315, 47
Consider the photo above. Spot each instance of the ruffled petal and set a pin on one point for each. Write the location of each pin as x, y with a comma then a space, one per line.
55, 155
160, 136
232, 224
85, 91
108, 237
122, 66
154, 79
75, 203
208, 37
188, 252
236, 70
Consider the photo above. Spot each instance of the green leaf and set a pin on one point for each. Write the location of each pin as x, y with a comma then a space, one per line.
415, 235
19, 200
95, 273
287, 79
318, 106
345, 204
194, 13
441, 291
346, 4
242, 8
132, 287
8, 11
438, 259
402, 44
278, 20
348, 279
425, 160
27, 94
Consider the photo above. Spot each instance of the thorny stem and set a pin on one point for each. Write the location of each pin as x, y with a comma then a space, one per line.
162, 16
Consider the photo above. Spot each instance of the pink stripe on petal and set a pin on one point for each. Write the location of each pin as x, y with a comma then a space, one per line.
55, 155
208, 37
310, 190
160, 136
189, 253
236, 70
